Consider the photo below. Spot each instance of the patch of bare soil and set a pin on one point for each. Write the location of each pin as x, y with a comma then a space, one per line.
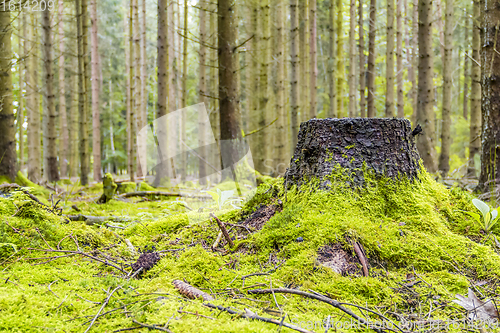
259, 218
339, 260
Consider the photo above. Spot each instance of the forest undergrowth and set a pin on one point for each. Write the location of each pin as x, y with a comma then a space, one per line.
396, 253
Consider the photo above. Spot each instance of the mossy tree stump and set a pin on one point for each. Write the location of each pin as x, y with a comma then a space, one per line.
385, 147
108, 188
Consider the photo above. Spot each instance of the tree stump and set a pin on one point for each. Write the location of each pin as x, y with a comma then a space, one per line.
385, 147
108, 189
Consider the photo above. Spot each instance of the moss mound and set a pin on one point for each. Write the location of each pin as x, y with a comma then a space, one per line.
421, 250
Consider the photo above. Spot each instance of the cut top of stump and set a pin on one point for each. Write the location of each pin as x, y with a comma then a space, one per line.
385, 146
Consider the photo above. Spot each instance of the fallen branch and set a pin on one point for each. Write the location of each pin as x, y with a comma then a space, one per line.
251, 315
358, 248
223, 229
152, 327
325, 299
102, 307
91, 220
160, 193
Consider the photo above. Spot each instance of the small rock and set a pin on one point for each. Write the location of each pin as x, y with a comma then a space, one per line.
300, 239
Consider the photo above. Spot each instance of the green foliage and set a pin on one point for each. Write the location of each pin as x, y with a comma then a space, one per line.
489, 216
223, 198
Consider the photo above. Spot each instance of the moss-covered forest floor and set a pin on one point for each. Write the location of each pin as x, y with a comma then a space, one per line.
59, 275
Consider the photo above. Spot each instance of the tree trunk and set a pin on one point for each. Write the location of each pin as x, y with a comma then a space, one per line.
313, 58
184, 93
213, 84
63, 140
371, 60
132, 106
84, 152
332, 92
281, 149
475, 102
137, 118
8, 167
50, 155
389, 94
163, 49
490, 104
444, 157
230, 117
357, 145
294, 103
340, 60
144, 79
439, 25
466, 68
399, 58
414, 62
352, 58
303, 102
22, 72
202, 92
73, 107
362, 70
96, 123
425, 110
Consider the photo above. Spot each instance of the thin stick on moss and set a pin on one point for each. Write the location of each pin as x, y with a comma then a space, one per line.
223, 229
50, 284
251, 315
325, 299
102, 307
358, 248
195, 314
152, 327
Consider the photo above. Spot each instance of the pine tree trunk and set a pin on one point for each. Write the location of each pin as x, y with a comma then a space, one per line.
8, 167
466, 68
414, 61
399, 59
84, 143
389, 94
173, 127
132, 95
294, 93
371, 60
50, 155
137, 118
313, 58
96, 123
425, 110
22, 70
202, 91
444, 157
352, 59
362, 70
163, 79
332, 61
73, 111
490, 78
63, 137
303, 77
439, 25
213, 83
475, 102
340, 60
280, 149
184, 94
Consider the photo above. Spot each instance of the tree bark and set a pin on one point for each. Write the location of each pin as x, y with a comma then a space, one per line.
371, 60
340, 60
144, 81
352, 58
64, 139
184, 92
131, 110
332, 92
357, 145
389, 91
303, 43
22, 72
74, 112
294, 103
466, 68
313, 58
8, 167
425, 110
280, 148
202, 92
96, 123
444, 157
50, 155
137, 117
475, 102
399, 59
490, 102
362, 69
414, 62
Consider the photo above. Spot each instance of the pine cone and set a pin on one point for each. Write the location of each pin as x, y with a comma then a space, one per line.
190, 291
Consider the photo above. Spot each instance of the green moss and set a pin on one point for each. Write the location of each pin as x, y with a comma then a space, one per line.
143, 186
127, 187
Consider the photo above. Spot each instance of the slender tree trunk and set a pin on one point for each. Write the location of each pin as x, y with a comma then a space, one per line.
475, 102
389, 94
294, 93
332, 92
362, 70
281, 149
439, 25
74, 112
22, 72
8, 167
444, 157
303, 101
214, 79
96, 123
137, 118
414, 61
163, 49
371, 60
340, 60
399, 58
50, 155
132, 95
230, 117
253, 73
144, 84
63, 127
425, 110
352, 58
466, 67
490, 78
313, 58
202, 89
184, 93
84, 152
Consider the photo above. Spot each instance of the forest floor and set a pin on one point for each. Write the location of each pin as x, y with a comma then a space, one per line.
115, 273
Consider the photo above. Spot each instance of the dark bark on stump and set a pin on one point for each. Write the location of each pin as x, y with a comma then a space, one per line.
385, 147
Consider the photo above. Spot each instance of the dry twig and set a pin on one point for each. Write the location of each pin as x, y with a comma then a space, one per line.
223, 229
102, 307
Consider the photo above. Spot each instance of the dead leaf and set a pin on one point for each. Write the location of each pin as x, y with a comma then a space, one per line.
478, 310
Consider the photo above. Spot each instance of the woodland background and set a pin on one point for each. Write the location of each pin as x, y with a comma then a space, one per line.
81, 77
